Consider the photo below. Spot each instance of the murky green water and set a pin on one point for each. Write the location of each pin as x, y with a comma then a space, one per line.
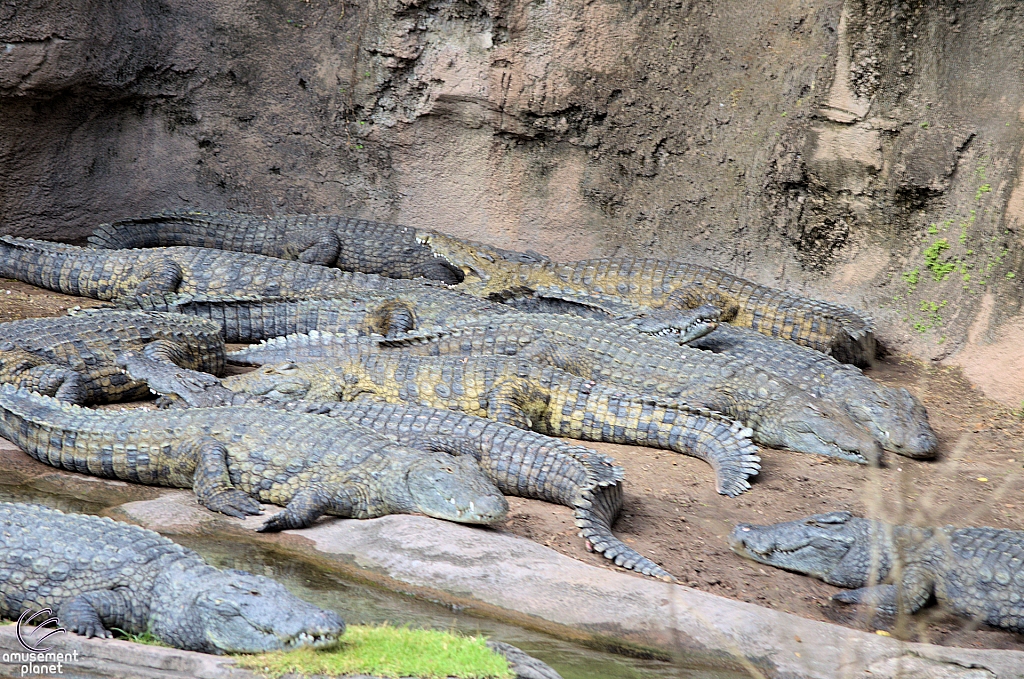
358, 603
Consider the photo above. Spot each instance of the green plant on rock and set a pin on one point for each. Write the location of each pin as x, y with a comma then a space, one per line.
932, 318
982, 190
911, 278
940, 270
146, 637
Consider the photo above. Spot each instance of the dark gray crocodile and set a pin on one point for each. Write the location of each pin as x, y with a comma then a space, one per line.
780, 414
527, 395
388, 313
519, 462
97, 574
391, 313
109, 274
895, 417
625, 283
233, 456
74, 357
329, 240
974, 572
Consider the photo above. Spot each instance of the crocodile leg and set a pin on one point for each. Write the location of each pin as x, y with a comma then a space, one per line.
161, 275
212, 485
306, 506
25, 369
394, 318
881, 597
50, 379
315, 246
517, 402
64, 384
91, 613
912, 592
165, 351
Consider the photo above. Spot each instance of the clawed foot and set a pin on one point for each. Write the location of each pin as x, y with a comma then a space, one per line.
276, 523
90, 630
233, 502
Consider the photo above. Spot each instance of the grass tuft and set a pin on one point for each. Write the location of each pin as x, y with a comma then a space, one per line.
146, 637
387, 651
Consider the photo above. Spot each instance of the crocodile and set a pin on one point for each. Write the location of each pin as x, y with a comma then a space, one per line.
329, 240
895, 417
388, 313
780, 414
233, 456
973, 572
254, 318
74, 357
519, 462
625, 283
96, 574
527, 395
109, 274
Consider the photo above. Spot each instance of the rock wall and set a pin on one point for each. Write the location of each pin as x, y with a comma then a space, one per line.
862, 151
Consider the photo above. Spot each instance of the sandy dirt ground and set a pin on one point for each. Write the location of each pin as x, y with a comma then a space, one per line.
673, 515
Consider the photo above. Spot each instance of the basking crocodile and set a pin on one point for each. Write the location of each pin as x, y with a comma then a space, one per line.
97, 574
235, 455
108, 274
329, 240
388, 313
519, 462
253, 318
663, 284
527, 395
974, 572
74, 357
780, 414
898, 421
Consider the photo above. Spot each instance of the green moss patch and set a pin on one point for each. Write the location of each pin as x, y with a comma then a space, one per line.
389, 652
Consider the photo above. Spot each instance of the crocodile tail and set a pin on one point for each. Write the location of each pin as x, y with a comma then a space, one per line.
31, 421
42, 263
856, 343
727, 447
711, 436
171, 228
595, 512
601, 469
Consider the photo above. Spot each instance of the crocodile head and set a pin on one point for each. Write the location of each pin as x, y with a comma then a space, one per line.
454, 488
485, 268
819, 428
281, 381
834, 547
683, 325
897, 419
233, 611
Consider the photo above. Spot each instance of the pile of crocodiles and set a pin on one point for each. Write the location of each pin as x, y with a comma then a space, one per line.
407, 370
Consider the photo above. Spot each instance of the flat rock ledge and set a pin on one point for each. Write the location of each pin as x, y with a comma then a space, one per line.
523, 582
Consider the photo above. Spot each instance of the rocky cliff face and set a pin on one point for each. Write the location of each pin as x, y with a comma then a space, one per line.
862, 151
